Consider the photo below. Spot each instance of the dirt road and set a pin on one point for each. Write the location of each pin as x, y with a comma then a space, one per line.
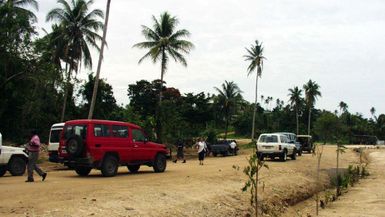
183, 190
367, 198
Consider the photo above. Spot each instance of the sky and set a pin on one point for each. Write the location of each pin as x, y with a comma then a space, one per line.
337, 43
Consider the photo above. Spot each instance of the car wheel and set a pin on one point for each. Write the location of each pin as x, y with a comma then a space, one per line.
17, 166
294, 155
215, 154
160, 163
300, 152
133, 168
225, 153
74, 146
109, 166
83, 171
283, 157
3, 170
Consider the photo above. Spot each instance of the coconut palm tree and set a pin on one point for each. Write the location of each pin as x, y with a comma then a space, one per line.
18, 7
311, 94
80, 30
228, 98
96, 84
343, 107
255, 57
295, 101
163, 42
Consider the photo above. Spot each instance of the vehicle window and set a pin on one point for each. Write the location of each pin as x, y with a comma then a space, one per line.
272, 139
262, 138
120, 131
138, 136
55, 136
101, 130
75, 130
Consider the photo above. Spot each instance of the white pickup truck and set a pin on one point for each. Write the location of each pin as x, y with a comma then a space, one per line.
274, 145
12, 159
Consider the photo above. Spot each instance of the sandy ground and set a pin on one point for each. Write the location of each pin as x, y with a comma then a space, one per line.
183, 190
367, 198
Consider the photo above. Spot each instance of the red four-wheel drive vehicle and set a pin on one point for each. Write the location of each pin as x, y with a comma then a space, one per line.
106, 145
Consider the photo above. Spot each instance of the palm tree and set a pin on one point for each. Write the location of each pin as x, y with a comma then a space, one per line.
163, 42
96, 84
80, 30
295, 101
18, 7
373, 112
229, 96
343, 107
255, 56
311, 94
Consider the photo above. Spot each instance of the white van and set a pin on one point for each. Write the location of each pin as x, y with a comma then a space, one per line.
53, 143
12, 159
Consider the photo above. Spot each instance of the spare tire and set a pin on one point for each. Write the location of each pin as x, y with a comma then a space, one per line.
74, 146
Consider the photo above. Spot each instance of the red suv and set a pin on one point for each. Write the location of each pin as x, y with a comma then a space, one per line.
105, 145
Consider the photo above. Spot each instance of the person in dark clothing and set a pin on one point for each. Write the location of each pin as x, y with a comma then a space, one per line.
179, 154
33, 154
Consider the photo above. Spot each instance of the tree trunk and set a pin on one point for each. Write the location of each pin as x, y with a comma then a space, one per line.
308, 123
96, 84
159, 110
337, 173
255, 109
67, 86
296, 114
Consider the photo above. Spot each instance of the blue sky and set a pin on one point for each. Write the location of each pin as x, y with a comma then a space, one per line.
339, 44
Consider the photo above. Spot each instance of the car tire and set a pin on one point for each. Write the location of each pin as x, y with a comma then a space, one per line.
3, 170
300, 152
283, 156
17, 166
133, 168
294, 155
160, 163
74, 146
225, 153
109, 166
83, 171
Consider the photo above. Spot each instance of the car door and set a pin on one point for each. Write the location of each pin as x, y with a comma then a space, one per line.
141, 148
122, 142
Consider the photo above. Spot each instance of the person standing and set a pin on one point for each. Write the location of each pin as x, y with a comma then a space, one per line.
233, 146
33, 148
202, 147
179, 154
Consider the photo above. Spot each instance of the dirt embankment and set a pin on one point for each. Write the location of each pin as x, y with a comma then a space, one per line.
183, 190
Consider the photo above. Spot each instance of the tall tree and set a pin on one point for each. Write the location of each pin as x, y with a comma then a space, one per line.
311, 94
19, 7
295, 101
343, 107
229, 96
80, 30
163, 42
373, 112
91, 112
255, 57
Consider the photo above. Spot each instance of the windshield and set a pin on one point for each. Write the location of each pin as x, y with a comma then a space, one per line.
55, 136
268, 139
75, 130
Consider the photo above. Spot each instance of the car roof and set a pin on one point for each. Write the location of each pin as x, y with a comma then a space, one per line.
308, 136
57, 125
285, 133
88, 121
271, 134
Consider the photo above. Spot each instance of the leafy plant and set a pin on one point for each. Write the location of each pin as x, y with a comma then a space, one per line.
252, 172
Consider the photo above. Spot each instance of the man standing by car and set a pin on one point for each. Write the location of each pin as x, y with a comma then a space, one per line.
33, 148
233, 146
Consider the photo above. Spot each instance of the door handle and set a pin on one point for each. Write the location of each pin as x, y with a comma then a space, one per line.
98, 145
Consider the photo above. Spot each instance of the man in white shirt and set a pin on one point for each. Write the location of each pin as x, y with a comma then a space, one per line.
202, 147
233, 146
